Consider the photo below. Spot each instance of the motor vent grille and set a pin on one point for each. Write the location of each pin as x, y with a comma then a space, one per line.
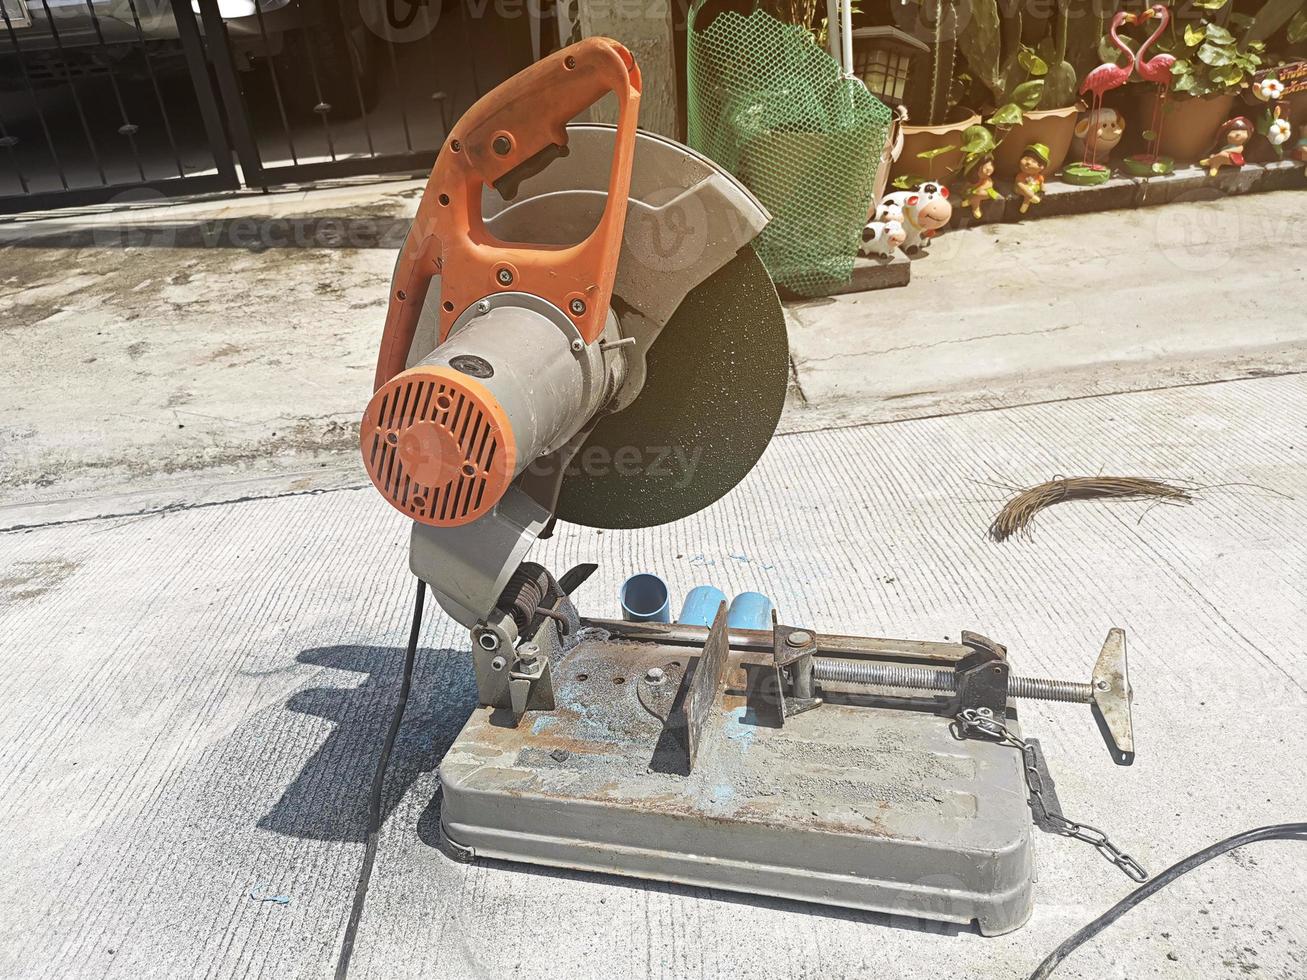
438, 446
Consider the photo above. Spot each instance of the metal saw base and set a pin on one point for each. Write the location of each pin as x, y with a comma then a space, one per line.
847, 804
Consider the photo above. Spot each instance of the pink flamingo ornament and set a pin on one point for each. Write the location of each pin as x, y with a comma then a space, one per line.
1106, 77
1158, 70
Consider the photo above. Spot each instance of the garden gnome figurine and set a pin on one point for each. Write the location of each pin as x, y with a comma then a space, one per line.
1233, 135
979, 185
1030, 174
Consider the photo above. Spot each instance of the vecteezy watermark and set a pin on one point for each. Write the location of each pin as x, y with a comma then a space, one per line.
676, 464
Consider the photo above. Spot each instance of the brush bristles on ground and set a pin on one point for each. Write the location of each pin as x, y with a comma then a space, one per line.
1018, 513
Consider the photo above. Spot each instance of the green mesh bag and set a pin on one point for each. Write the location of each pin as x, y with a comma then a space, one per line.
774, 109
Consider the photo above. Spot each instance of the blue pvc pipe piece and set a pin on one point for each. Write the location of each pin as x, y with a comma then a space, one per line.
645, 599
701, 605
750, 611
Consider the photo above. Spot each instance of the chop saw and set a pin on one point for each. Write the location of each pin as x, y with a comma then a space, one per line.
578, 329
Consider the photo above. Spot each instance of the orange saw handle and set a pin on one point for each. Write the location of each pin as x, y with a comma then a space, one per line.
506, 127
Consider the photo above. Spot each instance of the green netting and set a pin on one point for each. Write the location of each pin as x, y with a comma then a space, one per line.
773, 108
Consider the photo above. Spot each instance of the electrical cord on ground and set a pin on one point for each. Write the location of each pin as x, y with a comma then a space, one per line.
1279, 831
378, 788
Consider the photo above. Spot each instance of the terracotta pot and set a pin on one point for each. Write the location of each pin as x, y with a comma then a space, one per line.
1188, 125
918, 139
1052, 127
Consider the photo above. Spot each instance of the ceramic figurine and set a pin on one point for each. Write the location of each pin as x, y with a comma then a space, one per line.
925, 210
1030, 177
1101, 128
979, 185
1232, 137
884, 233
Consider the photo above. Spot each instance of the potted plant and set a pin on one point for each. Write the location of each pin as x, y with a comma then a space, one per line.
1024, 64
1213, 61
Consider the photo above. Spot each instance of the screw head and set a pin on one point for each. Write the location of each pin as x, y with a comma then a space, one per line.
455, 145
502, 145
654, 675
505, 277
577, 306
799, 638
483, 307
499, 663
1102, 685
528, 653
578, 345
985, 712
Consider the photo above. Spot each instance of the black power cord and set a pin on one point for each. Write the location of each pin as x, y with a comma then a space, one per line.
378, 787
1279, 831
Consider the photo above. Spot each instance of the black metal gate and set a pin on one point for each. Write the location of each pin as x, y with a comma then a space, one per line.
104, 100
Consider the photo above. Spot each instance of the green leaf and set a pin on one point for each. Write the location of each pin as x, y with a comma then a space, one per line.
977, 140
1149, 135
1228, 76
1007, 115
938, 151
1210, 4
1028, 94
1186, 83
1182, 66
1219, 35
1032, 62
1297, 30
1159, 168
1194, 34
1210, 54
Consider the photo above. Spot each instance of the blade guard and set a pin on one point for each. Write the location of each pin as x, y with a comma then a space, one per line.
507, 127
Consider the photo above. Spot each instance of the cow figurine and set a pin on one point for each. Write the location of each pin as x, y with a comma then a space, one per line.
925, 210
883, 234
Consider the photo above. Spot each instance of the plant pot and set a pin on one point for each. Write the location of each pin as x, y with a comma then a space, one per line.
1189, 125
919, 139
1052, 127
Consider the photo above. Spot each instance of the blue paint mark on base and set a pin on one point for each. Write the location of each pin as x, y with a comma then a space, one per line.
736, 730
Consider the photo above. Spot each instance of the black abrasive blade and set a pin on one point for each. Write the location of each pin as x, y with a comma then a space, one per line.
715, 387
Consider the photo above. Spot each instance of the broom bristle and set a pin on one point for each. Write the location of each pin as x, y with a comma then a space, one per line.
1019, 512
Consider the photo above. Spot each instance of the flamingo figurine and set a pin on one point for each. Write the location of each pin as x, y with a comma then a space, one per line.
1106, 77
1156, 69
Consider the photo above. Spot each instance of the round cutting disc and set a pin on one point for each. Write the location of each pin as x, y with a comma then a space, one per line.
715, 387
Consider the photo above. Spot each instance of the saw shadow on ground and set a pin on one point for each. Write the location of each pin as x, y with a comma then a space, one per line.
328, 799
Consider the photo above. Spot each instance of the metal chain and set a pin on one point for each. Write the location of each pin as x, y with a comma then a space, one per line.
973, 721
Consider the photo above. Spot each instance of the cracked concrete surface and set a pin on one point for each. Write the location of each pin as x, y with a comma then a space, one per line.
196, 689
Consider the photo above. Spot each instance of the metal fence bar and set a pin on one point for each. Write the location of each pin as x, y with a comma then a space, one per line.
158, 94
399, 87
72, 87
31, 91
319, 108
276, 85
206, 97
218, 47
358, 86
128, 128
100, 194
10, 142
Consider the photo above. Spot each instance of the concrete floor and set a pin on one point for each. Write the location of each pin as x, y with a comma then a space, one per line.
197, 694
